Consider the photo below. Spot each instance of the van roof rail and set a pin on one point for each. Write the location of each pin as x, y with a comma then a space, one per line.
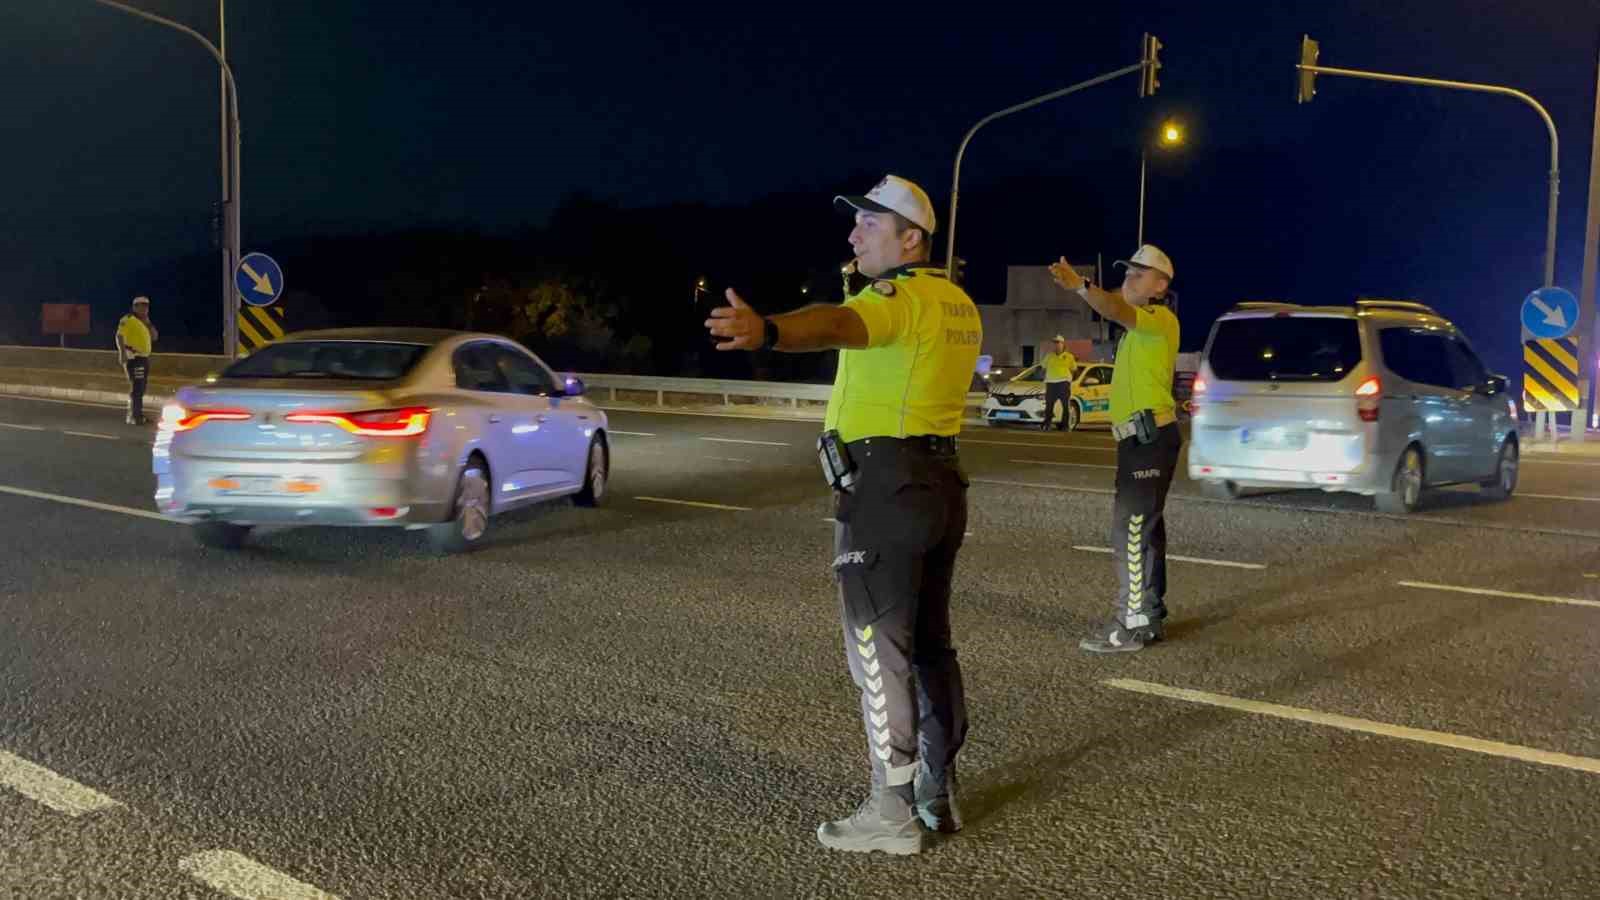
1407, 305
1263, 304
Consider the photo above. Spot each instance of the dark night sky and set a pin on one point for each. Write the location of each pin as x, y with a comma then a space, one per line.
361, 114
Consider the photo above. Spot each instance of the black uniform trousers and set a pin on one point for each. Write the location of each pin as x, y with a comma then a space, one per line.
138, 378
1057, 392
1139, 526
899, 529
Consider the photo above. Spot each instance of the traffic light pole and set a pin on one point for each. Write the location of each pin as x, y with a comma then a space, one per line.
961, 151
1586, 310
230, 303
1555, 145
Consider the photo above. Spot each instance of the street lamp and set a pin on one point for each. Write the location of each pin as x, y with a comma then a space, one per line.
1171, 136
230, 334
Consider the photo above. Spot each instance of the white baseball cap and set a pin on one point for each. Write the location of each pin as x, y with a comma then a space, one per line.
1059, 338
1149, 257
894, 194
141, 299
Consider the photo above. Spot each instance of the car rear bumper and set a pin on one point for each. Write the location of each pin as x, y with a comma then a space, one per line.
319, 493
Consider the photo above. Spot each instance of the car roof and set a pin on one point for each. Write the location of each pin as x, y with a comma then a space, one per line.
1398, 310
427, 336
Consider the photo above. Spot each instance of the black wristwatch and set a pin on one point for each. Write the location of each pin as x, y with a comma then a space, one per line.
769, 334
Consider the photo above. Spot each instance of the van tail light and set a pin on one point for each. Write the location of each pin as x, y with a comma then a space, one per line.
407, 421
178, 418
1369, 397
1196, 392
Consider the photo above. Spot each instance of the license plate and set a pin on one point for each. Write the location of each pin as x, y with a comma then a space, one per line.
251, 484
1008, 414
1272, 439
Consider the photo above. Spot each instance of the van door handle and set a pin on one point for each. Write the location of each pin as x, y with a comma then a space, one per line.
541, 418
494, 420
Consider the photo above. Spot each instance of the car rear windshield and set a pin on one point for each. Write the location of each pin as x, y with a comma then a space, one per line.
1285, 348
359, 360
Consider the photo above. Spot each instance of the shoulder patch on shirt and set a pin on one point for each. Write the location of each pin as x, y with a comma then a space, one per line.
885, 288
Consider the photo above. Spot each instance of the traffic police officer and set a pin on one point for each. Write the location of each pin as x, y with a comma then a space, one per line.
908, 348
1058, 368
1144, 422
135, 336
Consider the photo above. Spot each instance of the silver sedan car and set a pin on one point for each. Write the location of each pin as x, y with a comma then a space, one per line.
416, 428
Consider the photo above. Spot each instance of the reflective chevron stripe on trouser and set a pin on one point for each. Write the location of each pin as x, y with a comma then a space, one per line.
1139, 527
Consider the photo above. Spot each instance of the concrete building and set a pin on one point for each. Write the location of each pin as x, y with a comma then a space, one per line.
1018, 331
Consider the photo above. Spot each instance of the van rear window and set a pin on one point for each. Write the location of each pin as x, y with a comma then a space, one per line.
1285, 348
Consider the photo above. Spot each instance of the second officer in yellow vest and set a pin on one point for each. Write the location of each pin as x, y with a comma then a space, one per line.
908, 348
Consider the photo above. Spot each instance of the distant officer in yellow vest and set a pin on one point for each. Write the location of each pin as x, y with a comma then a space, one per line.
136, 335
908, 348
1059, 367
1144, 422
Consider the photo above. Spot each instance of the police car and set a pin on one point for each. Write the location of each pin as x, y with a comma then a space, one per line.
1021, 399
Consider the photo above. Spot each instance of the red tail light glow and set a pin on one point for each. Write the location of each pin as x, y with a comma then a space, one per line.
1368, 397
1195, 392
179, 419
405, 422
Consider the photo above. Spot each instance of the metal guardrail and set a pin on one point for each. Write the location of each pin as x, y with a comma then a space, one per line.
634, 390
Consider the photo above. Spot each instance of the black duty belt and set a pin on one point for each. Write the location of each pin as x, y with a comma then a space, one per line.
937, 444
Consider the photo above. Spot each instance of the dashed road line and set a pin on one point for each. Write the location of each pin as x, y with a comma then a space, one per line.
738, 441
21, 427
90, 434
634, 433
1557, 497
693, 503
1510, 595
1037, 445
1365, 726
1188, 559
1051, 462
58, 792
87, 504
240, 876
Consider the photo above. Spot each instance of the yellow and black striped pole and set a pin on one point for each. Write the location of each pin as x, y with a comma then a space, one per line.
259, 326
1550, 375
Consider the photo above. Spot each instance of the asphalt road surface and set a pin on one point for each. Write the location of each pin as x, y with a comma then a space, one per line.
650, 699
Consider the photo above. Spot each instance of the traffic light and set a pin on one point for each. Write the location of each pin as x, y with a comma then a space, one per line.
958, 271
1152, 63
1309, 50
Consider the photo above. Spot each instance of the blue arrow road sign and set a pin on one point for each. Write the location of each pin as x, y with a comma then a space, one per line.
1550, 313
259, 280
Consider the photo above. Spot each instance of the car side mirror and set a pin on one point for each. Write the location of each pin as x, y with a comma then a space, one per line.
1496, 384
573, 387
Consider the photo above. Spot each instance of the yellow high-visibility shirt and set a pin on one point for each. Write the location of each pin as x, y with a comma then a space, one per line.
912, 378
135, 335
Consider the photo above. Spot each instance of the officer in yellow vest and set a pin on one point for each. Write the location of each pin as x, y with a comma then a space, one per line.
908, 347
1145, 424
136, 335
1059, 367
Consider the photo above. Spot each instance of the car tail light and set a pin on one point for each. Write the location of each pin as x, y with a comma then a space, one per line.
1369, 396
1196, 392
177, 418
404, 422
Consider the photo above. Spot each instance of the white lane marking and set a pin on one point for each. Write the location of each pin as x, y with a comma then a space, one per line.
737, 441
1510, 595
58, 792
1557, 497
1047, 462
22, 427
240, 876
729, 459
87, 504
1528, 458
634, 433
90, 434
693, 503
1048, 487
1187, 559
148, 399
1038, 446
1366, 726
